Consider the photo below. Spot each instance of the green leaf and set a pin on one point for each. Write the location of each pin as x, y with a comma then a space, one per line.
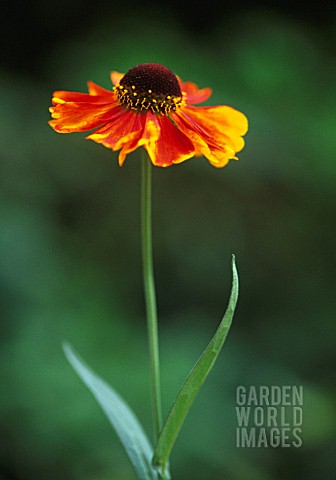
122, 418
193, 383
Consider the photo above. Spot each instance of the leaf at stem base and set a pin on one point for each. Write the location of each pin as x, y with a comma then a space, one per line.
120, 415
193, 383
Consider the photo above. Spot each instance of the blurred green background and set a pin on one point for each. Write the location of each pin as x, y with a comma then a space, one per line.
70, 243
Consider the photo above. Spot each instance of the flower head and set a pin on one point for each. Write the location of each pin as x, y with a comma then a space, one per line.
151, 107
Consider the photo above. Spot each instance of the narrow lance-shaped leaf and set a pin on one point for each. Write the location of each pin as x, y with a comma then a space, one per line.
121, 417
193, 383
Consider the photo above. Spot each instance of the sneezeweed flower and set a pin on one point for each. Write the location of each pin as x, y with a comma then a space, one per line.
151, 107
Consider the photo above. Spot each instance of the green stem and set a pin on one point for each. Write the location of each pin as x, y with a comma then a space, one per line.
150, 297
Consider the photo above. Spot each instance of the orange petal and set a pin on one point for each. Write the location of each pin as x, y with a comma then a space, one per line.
164, 143
113, 134
194, 94
215, 131
95, 89
145, 137
216, 155
116, 77
224, 124
172, 146
128, 132
62, 96
81, 116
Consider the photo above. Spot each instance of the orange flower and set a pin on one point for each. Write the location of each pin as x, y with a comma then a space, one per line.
151, 107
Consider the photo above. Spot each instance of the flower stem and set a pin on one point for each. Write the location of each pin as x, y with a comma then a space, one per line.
149, 289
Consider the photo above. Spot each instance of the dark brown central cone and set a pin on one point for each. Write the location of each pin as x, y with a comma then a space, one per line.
152, 78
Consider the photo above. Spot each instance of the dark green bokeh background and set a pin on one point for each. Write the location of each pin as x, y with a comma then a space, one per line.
70, 242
